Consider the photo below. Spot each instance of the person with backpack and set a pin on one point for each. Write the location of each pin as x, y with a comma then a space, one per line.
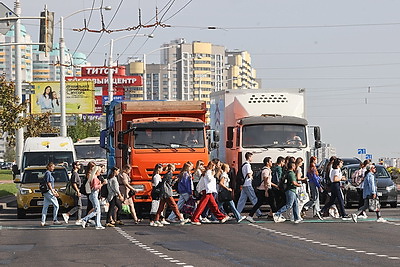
76, 184
358, 181
185, 187
291, 196
155, 195
246, 173
224, 185
50, 197
114, 198
166, 197
315, 188
278, 195
263, 191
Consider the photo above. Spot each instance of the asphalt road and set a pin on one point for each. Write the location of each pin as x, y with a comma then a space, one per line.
331, 242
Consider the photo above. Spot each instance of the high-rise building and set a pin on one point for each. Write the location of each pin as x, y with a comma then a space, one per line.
7, 59
241, 73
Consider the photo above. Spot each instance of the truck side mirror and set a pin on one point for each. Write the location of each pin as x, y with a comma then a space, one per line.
229, 132
216, 136
317, 133
317, 144
103, 137
229, 144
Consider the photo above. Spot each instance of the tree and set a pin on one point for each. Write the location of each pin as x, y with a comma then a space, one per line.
10, 108
38, 124
9, 155
84, 128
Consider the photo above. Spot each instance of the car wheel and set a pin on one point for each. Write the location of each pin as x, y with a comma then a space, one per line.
393, 205
21, 214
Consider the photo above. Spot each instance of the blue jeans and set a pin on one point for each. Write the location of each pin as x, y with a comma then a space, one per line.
291, 201
94, 198
233, 209
49, 198
182, 199
314, 199
247, 192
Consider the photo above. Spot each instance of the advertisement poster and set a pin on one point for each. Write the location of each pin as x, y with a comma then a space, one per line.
79, 97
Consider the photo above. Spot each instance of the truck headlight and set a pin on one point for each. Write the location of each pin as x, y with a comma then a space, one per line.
391, 187
25, 191
139, 187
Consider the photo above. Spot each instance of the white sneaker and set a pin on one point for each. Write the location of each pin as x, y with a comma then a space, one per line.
92, 222
196, 223
250, 219
224, 219
279, 218
241, 219
381, 220
83, 223
100, 228
66, 217
42, 224
164, 222
354, 217
297, 221
152, 224
205, 220
184, 221
363, 216
78, 222
158, 223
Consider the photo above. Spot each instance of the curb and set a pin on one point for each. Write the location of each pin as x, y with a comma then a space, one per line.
7, 201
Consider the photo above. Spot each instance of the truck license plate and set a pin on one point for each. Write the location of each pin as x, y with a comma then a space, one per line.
40, 203
379, 194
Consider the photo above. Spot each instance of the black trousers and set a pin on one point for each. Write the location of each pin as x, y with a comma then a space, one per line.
262, 199
111, 209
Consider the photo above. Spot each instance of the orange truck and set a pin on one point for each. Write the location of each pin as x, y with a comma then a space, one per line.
144, 133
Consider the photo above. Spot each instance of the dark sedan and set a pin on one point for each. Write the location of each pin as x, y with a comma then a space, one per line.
387, 190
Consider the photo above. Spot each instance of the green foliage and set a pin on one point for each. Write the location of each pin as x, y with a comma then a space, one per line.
38, 124
7, 189
10, 110
5, 175
83, 129
9, 155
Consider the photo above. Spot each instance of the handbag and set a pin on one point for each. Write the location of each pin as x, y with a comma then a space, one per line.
189, 206
156, 191
373, 204
69, 189
224, 195
131, 193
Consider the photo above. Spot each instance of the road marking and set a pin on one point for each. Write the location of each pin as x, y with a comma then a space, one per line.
149, 249
324, 244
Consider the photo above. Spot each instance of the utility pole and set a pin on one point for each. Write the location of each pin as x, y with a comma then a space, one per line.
63, 95
19, 135
110, 73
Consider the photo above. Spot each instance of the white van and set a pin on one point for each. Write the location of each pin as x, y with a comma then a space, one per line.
39, 151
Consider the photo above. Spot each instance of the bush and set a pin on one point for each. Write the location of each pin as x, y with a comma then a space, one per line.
7, 189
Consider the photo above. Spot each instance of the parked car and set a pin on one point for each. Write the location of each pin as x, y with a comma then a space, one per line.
324, 162
387, 190
29, 198
6, 165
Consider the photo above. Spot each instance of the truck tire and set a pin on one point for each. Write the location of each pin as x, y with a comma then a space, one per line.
21, 213
393, 205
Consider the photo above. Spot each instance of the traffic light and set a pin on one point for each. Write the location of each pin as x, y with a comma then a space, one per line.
46, 31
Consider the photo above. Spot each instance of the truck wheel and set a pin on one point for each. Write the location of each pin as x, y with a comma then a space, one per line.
393, 205
21, 213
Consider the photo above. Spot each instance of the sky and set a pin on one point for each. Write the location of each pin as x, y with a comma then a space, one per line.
345, 53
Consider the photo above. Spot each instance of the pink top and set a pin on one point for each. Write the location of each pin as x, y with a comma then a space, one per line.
95, 184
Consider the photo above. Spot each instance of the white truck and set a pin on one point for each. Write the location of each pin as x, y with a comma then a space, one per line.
89, 149
39, 151
265, 122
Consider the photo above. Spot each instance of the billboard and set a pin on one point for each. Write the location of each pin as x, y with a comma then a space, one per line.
79, 97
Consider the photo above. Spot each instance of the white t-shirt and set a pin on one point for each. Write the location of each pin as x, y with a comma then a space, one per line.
210, 182
246, 169
156, 179
335, 172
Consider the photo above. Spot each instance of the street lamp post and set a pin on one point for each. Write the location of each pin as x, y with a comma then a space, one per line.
111, 63
63, 98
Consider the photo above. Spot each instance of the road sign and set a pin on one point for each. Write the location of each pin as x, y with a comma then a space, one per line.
362, 151
5, 12
368, 156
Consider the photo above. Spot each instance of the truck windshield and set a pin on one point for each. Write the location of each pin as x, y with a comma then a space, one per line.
169, 138
64, 158
33, 176
90, 152
274, 135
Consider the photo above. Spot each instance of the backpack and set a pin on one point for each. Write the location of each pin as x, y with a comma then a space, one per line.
104, 191
43, 186
283, 182
239, 176
82, 189
69, 189
257, 178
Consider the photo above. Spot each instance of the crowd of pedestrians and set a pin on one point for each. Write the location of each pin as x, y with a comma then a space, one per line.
206, 192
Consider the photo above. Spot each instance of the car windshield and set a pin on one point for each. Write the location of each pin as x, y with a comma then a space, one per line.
34, 176
274, 135
159, 138
90, 152
43, 158
381, 172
